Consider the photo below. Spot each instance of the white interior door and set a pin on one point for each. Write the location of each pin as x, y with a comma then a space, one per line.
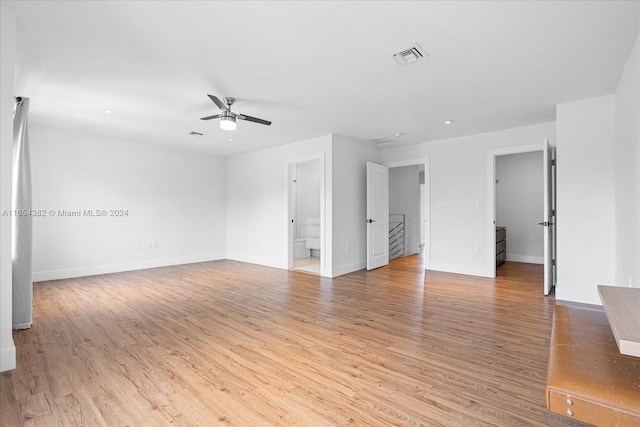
377, 215
549, 216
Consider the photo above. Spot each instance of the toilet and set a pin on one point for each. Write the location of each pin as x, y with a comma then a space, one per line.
300, 249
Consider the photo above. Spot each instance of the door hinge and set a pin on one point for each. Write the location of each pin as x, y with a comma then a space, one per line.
553, 212
553, 262
553, 162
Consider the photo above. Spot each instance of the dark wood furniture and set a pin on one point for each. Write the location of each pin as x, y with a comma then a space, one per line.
587, 377
501, 245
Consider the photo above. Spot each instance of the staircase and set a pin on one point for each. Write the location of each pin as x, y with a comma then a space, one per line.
396, 236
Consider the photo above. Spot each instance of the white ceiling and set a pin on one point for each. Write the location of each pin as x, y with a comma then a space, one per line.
313, 68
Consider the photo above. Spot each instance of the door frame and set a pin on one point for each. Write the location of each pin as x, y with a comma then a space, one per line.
426, 202
491, 198
324, 255
549, 222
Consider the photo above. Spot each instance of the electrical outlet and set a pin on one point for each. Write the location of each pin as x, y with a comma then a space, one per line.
147, 244
479, 248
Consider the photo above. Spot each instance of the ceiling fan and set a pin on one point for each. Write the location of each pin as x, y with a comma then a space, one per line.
227, 117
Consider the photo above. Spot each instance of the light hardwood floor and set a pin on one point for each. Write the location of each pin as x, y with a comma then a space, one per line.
228, 343
309, 264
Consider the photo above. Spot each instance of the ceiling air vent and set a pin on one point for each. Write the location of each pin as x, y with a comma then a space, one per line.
381, 140
410, 55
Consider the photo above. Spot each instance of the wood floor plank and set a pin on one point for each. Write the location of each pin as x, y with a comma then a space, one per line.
226, 343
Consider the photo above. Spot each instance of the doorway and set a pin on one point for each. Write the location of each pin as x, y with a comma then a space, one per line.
409, 202
404, 211
306, 214
519, 202
546, 210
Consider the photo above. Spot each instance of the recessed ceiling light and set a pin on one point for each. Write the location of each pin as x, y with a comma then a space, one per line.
448, 122
109, 111
397, 134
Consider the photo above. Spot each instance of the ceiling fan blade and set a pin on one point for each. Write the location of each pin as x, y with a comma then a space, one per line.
253, 119
217, 116
219, 103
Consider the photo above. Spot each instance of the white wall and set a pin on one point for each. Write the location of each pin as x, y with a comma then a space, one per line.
350, 203
7, 72
458, 175
585, 198
257, 202
307, 187
176, 203
404, 198
519, 205
627, 173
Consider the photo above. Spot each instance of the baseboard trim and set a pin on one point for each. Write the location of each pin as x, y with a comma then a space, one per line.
41, 276
346, 269
525, 258
578, 295
20, 326
265, 262
460, 269
8, 358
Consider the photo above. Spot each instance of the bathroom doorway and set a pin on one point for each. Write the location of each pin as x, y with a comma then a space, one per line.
306, 186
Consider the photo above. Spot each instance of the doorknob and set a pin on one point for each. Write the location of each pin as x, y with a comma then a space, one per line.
369, 221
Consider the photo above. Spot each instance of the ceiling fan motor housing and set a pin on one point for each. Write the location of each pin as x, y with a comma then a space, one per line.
227, 117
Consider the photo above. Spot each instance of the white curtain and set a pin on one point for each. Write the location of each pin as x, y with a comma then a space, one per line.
22, 220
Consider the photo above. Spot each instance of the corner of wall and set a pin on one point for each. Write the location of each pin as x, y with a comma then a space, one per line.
627, 172
348, 203
585, 179
7, 74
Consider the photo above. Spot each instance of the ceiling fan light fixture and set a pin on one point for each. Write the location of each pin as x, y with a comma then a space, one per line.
227, 118
228, 123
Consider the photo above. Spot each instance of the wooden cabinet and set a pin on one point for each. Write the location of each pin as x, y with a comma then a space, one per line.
501, 245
